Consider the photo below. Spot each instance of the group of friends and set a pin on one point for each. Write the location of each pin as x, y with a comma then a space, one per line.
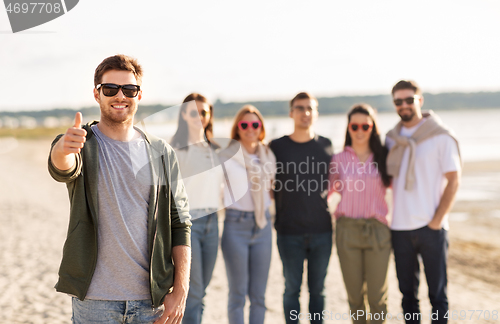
143, 234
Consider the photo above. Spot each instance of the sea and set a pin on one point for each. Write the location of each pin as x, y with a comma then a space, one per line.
476, 130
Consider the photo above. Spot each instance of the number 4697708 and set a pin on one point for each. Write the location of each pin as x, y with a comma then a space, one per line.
472, 314
34, 7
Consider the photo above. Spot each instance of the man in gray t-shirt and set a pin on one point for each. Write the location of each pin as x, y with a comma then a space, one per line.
127, 257
125, 204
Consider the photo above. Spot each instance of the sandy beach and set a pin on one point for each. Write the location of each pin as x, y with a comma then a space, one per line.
34, 216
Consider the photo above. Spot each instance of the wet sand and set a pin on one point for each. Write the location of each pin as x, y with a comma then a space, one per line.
34, 217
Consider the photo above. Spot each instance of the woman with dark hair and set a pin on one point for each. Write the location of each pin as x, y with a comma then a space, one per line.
189, 123
363, 237
247, 238
197, 161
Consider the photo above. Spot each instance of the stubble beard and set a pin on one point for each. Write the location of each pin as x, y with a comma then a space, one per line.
111, 119
407, 118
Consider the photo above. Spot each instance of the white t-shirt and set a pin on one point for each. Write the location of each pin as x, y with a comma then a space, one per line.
245, 203
434, 157
202, 176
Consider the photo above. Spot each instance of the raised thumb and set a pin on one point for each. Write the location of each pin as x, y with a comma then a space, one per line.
78, 120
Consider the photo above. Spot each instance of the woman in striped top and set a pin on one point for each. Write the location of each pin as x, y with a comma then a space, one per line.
363, 238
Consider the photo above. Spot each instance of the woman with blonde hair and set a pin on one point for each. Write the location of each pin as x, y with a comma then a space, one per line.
246, 241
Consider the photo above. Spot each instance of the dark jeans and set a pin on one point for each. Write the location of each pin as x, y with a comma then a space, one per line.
294, 249
433, 247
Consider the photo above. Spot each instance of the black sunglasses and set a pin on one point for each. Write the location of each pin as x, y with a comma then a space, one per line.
111, 89
194, 113
409, 101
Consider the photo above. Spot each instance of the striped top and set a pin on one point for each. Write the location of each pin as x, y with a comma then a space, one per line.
359, 184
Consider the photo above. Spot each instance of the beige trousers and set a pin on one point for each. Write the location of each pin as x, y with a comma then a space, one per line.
364, 247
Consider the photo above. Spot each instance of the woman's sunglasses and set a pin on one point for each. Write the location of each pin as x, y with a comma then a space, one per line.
194, 113
243, 125
111, 89
364, 127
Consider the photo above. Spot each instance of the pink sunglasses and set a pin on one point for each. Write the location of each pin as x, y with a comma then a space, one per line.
243, 125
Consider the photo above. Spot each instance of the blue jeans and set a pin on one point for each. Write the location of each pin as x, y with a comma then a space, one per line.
204, 245
114, 312
247, 254
433, 247
294, 249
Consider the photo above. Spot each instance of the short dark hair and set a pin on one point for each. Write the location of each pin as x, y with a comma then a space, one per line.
118, 62
302, 95
407, 84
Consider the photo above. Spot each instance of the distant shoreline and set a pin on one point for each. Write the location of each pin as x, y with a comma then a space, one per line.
25, 126
327, 105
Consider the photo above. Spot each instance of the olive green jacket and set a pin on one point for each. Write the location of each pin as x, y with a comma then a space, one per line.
168, 224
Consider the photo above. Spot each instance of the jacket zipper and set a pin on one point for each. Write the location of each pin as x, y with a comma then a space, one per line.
89, 280
151, 271
154, 240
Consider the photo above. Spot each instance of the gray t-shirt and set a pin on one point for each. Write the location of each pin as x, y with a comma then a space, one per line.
122, 270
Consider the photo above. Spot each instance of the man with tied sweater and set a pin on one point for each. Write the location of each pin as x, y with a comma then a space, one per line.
126, 258
425, 163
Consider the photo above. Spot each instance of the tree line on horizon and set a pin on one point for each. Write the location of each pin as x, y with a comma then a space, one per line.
332, 105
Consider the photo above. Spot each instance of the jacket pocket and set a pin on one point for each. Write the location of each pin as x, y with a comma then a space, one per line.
79, 252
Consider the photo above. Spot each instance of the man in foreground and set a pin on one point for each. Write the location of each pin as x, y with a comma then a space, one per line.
425, 163
129, 228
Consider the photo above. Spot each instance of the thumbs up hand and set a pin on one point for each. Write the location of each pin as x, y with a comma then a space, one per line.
74, 139
63, 152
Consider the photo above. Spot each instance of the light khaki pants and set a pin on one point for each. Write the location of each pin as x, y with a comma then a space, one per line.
364, 246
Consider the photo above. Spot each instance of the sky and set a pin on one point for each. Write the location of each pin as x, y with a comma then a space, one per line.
258, 50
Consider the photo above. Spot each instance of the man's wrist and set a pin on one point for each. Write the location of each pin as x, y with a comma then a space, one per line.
180, 289
435, 223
